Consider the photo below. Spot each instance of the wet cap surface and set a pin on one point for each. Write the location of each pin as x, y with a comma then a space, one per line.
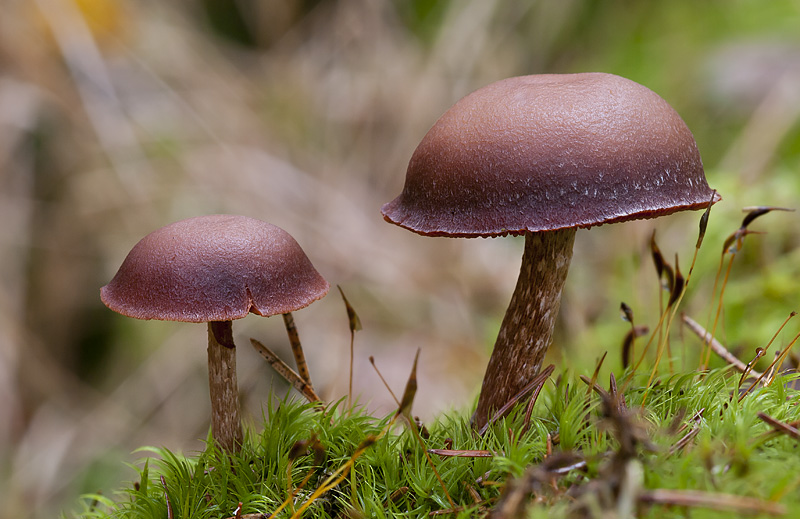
214, 268
548, 152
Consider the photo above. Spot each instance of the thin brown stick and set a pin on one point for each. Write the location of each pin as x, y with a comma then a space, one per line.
286, 372
779, 426
695, 420
716, 346
684, 441
451, 453
775, 432
715, 501
297, 348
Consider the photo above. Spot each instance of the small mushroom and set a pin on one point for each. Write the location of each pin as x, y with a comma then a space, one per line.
213, 269
541, 156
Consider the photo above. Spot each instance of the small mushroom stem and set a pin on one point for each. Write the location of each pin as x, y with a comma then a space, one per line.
226, 426
528, 324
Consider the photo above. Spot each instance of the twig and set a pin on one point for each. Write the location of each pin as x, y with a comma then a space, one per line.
730, 502
768, 435
683, 442
450, 453
715, 345
297, 348
779, 426
286, 372
448, 511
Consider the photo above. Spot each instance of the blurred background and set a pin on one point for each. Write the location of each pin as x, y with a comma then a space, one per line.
118, 117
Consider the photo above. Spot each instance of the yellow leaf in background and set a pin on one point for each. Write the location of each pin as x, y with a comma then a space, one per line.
107, 20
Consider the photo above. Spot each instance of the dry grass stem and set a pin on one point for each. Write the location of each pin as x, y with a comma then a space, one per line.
297, 348
280, 367
696, 498
716, 346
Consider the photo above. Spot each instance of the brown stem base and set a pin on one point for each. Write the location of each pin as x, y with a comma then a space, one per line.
528, 324
226, 426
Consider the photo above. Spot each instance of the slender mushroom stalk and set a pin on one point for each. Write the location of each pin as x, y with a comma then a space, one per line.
529, 320
214, 269
226, 425
542, 156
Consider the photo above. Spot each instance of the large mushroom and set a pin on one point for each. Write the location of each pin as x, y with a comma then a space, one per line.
541, 156
213, 269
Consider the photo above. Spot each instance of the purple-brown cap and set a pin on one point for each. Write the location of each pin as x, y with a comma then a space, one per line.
548, 152
214, 268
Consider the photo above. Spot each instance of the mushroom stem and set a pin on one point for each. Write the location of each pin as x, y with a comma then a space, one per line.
528, 324
226, 426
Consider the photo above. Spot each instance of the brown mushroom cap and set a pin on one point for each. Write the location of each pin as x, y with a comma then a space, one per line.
214, 268
547, 152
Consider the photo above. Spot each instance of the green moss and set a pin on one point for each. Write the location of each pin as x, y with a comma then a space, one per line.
731, 452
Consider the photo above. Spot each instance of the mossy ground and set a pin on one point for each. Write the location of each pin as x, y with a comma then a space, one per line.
691, 434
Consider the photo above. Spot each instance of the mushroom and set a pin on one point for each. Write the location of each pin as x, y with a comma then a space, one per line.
541, 156
213, 269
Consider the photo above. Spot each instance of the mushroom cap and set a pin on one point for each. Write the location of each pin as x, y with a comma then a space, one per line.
214, 268
547, 152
